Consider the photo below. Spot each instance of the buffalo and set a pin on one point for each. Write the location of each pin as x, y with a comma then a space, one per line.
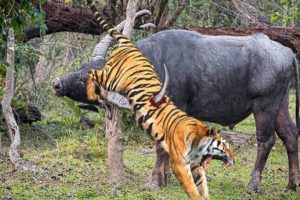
220, 79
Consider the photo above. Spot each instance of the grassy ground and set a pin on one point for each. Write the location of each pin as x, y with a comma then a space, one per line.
71, 164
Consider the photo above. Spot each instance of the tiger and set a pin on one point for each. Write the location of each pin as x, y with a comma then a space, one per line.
190, 143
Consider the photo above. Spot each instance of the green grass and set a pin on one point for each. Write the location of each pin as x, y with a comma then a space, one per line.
72, 164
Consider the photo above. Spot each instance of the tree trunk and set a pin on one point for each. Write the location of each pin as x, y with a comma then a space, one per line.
42, 67
65, 17
130, 17
1, 146
13, 129
113, 125
115, 147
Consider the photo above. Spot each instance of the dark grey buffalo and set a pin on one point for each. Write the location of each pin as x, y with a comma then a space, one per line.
220, 79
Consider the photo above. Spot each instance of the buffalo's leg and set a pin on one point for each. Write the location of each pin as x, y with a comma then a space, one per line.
161, 168
265, 133
287, 132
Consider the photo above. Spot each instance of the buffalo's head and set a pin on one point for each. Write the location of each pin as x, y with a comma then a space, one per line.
73, 85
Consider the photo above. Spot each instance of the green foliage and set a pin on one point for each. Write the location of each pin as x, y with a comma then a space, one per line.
19, 14
287, 14
26, 54
73, 106
205, 13
87, 149
130, 130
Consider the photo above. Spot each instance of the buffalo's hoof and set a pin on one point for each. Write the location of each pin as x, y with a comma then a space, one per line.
291, 187
253, 188
152, 186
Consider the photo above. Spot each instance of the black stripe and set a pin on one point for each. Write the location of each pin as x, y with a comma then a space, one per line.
161, 139
170, 114
132, 94
138, 87
140, 121
196, 178
137, 107
147, 78
170, 119
194, 167
195, 142
149, 114
140, 71
96, 75
159, 113
197, 184
133, 81
188, 136
176, 120
118, 78
149, 129
114, 79
143, 98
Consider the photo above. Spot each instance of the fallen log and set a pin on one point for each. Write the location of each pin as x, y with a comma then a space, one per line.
289, 37
236, 138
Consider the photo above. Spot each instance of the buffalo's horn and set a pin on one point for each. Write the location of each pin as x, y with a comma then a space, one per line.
158, 97
148, 25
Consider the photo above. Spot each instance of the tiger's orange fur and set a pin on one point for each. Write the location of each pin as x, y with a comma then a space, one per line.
186, 139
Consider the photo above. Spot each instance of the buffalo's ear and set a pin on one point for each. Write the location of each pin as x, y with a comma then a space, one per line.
89, 107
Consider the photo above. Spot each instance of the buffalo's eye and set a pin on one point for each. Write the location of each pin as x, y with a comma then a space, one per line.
81, 79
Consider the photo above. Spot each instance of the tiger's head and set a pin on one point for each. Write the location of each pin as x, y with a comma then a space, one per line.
94, 89
215, 147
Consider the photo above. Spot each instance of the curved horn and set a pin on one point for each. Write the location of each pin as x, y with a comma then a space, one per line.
160, 95
101, 48
148, 25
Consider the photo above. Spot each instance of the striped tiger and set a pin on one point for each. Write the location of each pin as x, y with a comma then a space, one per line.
188, 141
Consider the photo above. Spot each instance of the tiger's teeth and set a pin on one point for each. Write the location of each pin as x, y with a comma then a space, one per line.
227, 165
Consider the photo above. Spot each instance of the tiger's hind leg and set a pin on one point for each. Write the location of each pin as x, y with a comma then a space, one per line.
199, 177
183, 173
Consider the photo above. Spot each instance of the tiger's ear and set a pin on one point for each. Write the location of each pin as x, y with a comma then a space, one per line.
92, 74
211, 130
217, 135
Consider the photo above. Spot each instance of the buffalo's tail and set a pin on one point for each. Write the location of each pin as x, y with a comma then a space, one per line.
297, 94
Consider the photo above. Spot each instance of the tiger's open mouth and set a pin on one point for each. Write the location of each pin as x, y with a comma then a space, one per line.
208, 158
206, 161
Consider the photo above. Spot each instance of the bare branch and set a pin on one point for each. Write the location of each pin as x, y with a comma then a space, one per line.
177, 12
251, 14
13, 129
162, 7
130, 17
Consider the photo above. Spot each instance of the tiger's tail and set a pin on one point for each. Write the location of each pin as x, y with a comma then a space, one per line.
106, 26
